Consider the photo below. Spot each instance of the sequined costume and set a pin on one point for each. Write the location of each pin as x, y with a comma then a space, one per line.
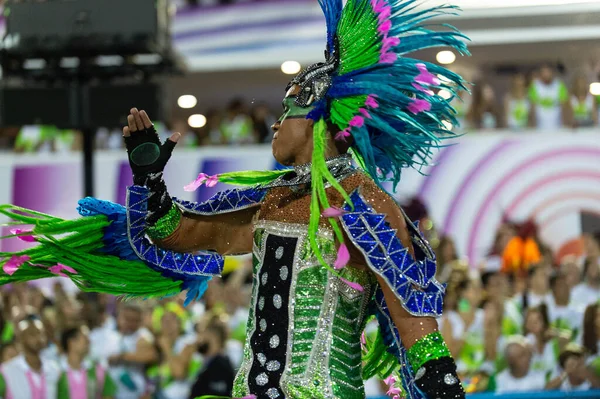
330, 246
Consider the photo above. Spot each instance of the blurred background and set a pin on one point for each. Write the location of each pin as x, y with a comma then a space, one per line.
512, 210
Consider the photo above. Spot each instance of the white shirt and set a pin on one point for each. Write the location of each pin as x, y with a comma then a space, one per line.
570, 314
15, 376
128, 344
534, 381
567, 387
583, 295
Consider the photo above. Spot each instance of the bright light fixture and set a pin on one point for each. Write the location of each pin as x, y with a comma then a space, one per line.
445, 57
187, 101
290, 67
197, 121
445, 94
595, 89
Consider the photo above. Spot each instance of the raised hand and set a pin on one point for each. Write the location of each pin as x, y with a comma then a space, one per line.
147, 155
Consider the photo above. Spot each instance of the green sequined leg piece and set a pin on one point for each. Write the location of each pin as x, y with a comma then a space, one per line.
165, 225
430, 347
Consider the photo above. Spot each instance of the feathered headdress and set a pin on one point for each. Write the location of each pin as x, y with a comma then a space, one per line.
380, 101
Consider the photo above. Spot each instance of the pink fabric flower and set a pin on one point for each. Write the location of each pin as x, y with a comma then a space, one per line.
341, 136
418, 106
26, 238
393, 391
357, 121
14, 263
343, 257
352, 285
421, 88
333, 212
371, 102
425, 77
59, 268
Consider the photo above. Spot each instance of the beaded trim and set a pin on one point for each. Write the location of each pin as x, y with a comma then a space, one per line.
165, 225
430, 347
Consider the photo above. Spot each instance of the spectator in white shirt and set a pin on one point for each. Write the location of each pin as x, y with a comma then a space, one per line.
571, 269
588, 292
563, 314
543, 344
576, 376
591, 330
519, 377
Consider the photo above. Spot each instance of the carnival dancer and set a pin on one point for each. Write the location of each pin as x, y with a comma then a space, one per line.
331, 247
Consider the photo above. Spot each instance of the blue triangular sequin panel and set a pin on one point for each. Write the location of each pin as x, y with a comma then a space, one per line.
412, 281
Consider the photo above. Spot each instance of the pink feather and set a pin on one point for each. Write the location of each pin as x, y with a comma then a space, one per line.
343, 257
14, 263
385, 27
388, 58
425, 77
333, 212
212, 181
26, 238
371, 102
341, 135
352, 285
422, 89
58, 270
193, 186
357, 121
365, 113
418, 106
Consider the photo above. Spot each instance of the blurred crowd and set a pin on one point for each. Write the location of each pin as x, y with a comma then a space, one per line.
540, 102
155, 348
525, 319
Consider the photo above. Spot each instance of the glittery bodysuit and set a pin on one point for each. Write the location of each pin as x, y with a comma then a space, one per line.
305, 322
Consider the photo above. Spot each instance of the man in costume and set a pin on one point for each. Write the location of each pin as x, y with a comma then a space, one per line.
331, 247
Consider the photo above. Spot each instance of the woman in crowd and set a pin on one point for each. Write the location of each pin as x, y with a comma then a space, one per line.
176, 371
588, 292
544, 345
519, 112
484, 112
446, 254
583, 104
591, 336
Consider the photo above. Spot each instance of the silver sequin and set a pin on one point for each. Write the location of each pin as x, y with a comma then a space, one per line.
262, 379
262, 359
283, 272
261, 303
273, 393
420, 373
264, 278
450, 379
279, 253
274, 341
277, 301
273, 365
263, 325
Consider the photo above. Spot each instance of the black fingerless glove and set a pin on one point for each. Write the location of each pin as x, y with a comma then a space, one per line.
438, 379
147, 159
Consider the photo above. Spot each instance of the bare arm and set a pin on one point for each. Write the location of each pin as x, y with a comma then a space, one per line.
226, 234
145, 353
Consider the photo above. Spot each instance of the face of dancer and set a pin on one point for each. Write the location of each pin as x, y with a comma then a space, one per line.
534, 323
293, 133
33, 336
